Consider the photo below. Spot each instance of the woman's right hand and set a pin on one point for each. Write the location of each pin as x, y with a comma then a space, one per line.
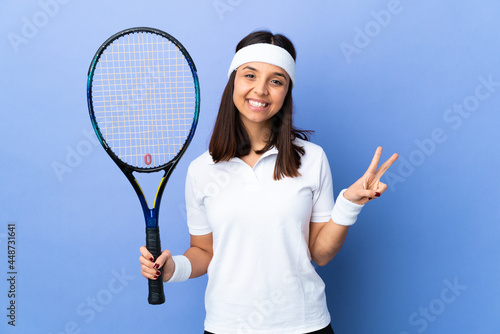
149, 267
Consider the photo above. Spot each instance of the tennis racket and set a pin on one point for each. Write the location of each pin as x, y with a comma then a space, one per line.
143, 97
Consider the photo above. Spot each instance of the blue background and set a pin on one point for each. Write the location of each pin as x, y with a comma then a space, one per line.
424, 258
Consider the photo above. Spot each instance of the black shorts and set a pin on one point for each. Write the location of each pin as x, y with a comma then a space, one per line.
327, 330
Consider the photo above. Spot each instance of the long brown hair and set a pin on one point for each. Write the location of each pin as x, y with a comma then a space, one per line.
229, 137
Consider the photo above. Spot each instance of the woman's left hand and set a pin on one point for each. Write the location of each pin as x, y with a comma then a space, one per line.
369, 186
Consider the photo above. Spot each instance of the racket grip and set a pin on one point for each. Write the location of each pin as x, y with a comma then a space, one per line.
156, 294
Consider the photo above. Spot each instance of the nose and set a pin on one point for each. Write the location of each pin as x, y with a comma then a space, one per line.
260, 87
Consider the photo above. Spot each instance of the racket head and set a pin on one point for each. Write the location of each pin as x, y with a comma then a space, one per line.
143, 98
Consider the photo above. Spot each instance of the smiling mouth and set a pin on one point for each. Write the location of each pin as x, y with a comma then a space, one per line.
257, 104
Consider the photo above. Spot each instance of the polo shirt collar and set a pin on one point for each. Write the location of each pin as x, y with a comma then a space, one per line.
273, 150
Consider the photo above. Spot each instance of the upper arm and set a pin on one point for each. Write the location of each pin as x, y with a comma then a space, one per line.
200, 254
314, 229
203, 242
325, 240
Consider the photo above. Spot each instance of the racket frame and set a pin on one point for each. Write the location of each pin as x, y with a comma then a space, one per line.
150, 214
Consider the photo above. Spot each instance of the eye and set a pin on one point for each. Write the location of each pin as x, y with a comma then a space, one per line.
277, 82
249, 75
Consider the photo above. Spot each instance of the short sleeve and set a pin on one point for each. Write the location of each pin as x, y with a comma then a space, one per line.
323, 199
196, 213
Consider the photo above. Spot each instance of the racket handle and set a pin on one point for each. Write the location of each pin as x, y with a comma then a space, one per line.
156, 295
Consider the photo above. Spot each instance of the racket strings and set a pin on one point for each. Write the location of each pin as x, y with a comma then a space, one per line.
144, 99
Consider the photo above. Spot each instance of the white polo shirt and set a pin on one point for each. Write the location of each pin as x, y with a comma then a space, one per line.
261, 279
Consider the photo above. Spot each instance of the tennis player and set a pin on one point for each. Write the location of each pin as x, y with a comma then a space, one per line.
260, 205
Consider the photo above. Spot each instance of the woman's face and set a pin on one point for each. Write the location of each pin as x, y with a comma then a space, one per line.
259, 92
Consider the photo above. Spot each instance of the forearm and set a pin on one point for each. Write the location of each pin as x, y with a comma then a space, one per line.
327, 243
194, 262
327, 240
200, 259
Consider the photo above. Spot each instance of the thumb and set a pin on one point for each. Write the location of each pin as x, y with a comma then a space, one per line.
166, 265
164, 257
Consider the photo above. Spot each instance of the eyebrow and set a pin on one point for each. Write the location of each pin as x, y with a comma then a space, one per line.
254, 69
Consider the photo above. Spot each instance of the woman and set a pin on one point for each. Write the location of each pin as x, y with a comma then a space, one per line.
260, 205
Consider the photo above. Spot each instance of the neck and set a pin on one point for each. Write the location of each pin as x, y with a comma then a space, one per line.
258, 135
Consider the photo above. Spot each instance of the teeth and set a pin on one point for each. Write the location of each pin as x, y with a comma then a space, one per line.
257, 104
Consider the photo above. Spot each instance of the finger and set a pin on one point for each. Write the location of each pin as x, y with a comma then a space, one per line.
146, 262
369, 183
144, 251
368, 194
376, 158
382, 188
162, 259
149, 272
385, 166
378, 191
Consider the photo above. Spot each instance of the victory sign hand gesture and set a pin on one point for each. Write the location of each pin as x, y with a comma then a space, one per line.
369, 186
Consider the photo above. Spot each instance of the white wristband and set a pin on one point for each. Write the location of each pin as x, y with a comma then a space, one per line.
182, 269
345, 212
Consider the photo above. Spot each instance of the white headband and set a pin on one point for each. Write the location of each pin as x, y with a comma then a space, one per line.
264, 53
